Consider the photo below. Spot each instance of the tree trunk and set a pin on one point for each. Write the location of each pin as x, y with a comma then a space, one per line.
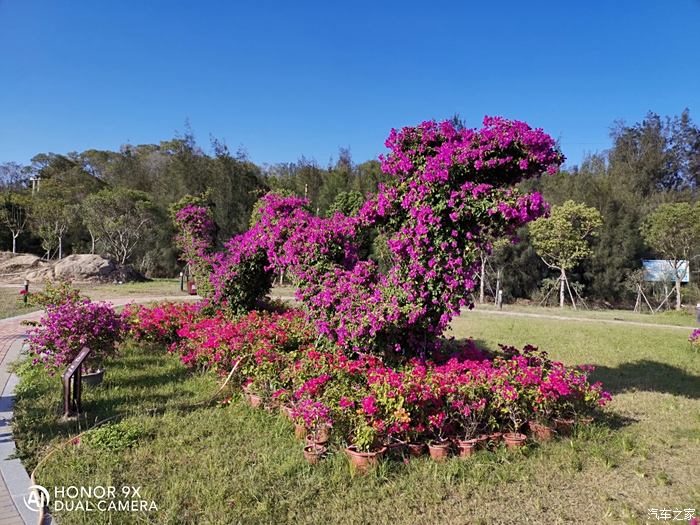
562, 283
678, 292
483, 276
60, 248
92, 247
14, 244
498, 283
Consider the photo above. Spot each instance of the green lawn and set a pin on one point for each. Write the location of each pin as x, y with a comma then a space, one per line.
11, 306
685, 317
240, 465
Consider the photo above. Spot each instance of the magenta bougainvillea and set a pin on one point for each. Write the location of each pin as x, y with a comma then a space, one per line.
451, 192
66, 328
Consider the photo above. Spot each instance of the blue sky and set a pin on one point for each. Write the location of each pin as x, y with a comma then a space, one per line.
285, 79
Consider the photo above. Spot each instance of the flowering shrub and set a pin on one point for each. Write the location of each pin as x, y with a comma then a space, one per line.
263, 341
66, 328
695, 340
451, 189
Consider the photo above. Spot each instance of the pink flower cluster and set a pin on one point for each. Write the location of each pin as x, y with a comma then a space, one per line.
159, 323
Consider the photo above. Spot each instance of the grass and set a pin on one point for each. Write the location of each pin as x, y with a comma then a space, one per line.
240, 465
11, 306
685, 317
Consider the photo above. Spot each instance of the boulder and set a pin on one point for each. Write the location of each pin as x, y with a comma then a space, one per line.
84, 267
19, 263
76, 267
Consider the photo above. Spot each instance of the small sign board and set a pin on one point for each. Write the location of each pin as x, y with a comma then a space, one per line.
660, 270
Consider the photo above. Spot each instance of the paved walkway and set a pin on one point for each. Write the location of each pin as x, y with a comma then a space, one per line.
14, 480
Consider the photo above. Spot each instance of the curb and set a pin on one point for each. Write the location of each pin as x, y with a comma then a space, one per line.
13, 473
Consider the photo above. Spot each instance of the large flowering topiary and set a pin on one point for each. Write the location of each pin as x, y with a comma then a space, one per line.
451, 190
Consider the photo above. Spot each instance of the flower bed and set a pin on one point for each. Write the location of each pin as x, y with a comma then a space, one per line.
459, 395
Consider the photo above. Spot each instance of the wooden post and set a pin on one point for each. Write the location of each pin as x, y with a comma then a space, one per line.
72, 385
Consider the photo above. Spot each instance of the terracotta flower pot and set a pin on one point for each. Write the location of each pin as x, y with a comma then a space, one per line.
313, 453
540, 431
482, 440
495, 439
362, 461
467, 447
514, 439
300, 431
439, 451
564, 426
416, 449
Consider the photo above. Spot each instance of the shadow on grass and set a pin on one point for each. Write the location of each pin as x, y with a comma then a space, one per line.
648, 376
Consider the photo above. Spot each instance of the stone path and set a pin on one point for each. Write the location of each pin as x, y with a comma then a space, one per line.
14, 480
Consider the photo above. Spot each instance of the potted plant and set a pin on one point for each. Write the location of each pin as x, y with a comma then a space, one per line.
366, 449
368, 433
439, 446
316, 417
545, 407
511, 405
468, 415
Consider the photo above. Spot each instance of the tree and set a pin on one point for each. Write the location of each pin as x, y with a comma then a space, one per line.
346, 202
673, 231
14, 214
50, 220
564, 239
120, 217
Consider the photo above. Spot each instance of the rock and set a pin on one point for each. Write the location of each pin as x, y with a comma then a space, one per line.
76, 267
19, 263
43, 274
84, 267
